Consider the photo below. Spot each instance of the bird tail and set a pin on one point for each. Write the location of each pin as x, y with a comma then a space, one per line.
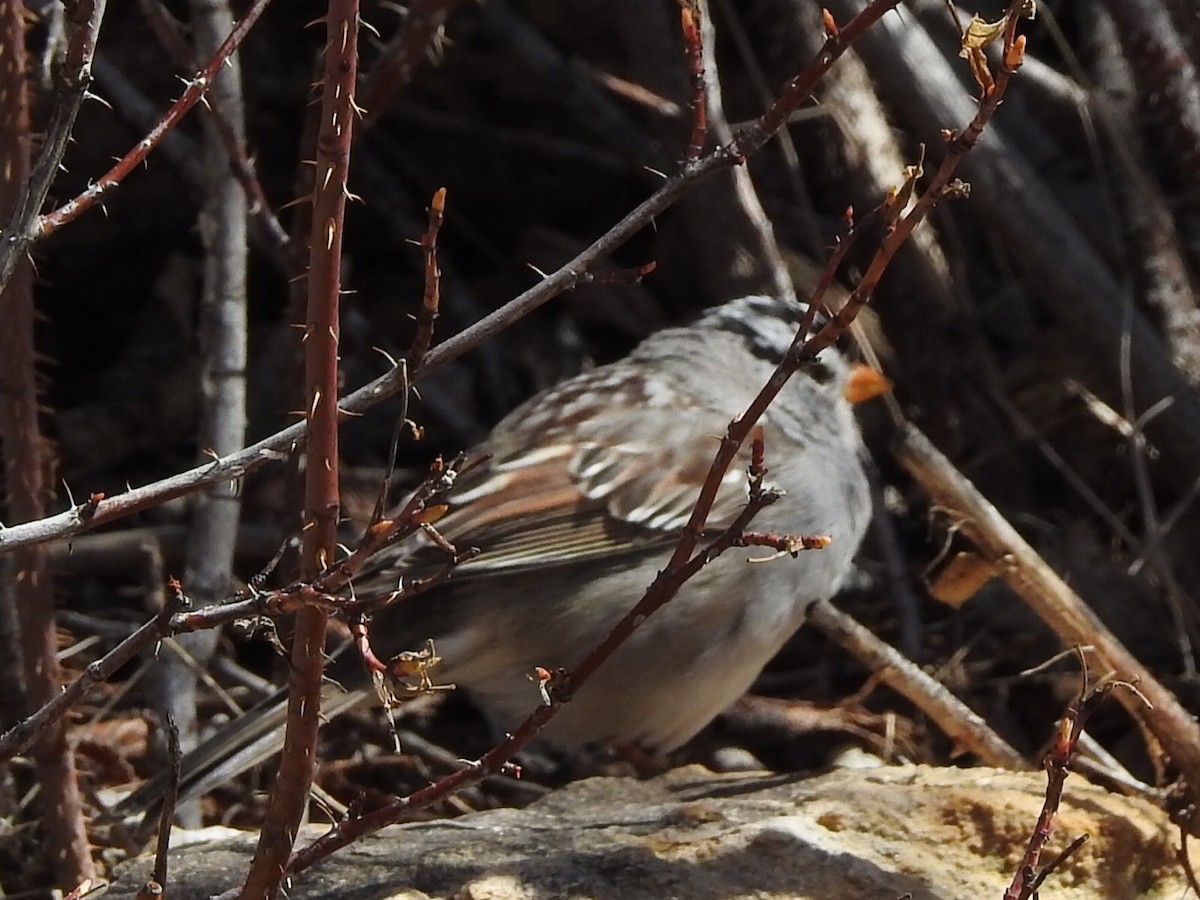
244, 743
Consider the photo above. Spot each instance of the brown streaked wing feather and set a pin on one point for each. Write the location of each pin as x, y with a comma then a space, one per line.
657, 488
603, 498
532, 515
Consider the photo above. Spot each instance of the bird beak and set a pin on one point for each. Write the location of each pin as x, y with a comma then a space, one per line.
864, 383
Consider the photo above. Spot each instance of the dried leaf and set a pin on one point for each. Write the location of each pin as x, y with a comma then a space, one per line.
961, 579
980, 33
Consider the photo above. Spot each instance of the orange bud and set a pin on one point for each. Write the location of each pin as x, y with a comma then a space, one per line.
431, 514
864, 383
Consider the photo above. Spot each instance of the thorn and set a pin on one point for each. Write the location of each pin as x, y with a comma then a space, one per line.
536, 269
391, 359
296, 202
88, 95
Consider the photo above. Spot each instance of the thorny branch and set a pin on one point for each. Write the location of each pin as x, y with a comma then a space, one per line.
427, 315
689, 14
72, 77
27, 226
103, 510
685, 560
423, 20
1058, 765
272, 236
328, 591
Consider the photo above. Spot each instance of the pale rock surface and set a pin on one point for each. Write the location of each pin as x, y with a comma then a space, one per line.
926, 832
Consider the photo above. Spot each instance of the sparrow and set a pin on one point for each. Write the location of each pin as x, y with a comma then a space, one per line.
583, 493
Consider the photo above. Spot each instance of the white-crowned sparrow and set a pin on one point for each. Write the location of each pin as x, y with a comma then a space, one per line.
584, 493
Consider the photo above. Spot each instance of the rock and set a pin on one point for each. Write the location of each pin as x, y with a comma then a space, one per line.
885, 832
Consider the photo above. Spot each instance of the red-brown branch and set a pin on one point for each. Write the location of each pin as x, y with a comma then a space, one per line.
325, 592
196, 89
433, 279
1028, 877
402, 54
29, 477
567, 277
71, 81
693, 42
685, 561
557, 690
274, 238
338, 120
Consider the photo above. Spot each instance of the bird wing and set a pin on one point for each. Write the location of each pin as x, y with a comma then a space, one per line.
627, 481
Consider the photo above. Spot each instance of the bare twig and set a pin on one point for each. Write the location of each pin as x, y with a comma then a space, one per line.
1054, 601
196, 88
943, 183
23, 735
1185, 861
85, 889
338, 121
762, 233
433, 279
28, 478
323, 592
956, 720
1028, 877
100, 510
72, 77
1052, 254
423, 21
223, 355
557, 689
161, 855
270, 236
685, 561
690, 17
